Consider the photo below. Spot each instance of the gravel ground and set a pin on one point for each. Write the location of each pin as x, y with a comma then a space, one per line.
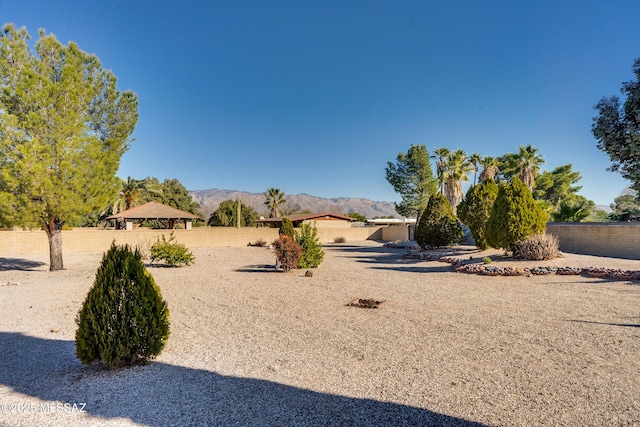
251, 346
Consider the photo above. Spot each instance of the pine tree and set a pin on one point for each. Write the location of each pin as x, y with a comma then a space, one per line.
124, 320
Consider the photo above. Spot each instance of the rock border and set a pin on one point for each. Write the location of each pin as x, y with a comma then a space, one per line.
491, 270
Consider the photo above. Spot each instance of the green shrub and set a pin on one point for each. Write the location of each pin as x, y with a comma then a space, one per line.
287, 228
438, 226
515, 216
537, 247
171, 253
486, 260
124, 320
312, 253
475, 209
287, 251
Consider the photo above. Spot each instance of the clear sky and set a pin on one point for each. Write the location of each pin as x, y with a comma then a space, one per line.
316, 96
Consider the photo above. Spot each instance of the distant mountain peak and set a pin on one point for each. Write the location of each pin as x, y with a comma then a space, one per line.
210, 199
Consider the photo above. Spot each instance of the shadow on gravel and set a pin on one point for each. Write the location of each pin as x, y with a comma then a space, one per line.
628, 325
7, 264
160, 394
258, 268
388, 258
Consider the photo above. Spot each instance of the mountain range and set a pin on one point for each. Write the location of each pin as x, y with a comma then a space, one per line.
210, 199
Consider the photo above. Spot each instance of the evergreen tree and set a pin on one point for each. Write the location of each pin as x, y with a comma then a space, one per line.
475, 209
411, 177
515, 216
617, 129
312, 253
438, 226
287, 229
63, 129
124, 320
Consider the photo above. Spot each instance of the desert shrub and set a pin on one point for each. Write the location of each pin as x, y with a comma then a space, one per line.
438, 226
537, 247
340, 239
475, 209
312, 253
170, 252
287, 251
287, 228
486, 260
515, 216
124, 320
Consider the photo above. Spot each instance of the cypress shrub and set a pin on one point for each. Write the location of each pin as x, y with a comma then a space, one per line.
124, 321
515, 216
287, 229
438, 226
312, 253
475, 209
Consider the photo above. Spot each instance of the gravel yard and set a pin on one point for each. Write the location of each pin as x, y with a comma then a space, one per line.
252, 346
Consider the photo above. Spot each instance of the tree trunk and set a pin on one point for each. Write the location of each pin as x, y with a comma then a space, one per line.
54, 232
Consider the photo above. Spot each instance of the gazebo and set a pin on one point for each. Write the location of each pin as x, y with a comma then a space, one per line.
154, 211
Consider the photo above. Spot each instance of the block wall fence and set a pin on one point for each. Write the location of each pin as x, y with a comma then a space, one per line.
610, 239
619, 240
25, 242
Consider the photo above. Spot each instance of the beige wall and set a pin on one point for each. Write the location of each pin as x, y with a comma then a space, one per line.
620, 240
395, 232
19, 242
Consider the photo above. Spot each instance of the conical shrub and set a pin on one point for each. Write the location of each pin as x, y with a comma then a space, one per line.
312, 253
438, 226
287, 229
124, 321
514, 217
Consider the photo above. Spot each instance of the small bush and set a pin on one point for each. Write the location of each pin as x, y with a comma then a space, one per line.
537, 247
312, 253
486, 260
287, 251
340, 239
124, 321
171, 253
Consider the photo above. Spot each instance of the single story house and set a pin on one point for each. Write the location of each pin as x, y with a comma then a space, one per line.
321, 220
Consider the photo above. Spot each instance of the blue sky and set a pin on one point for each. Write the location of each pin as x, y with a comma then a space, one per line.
316, 96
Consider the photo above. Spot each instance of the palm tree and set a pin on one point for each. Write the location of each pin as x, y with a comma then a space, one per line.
274, 200
528, 163
489, 168
441, 155
457, 167
475, 160
131, 192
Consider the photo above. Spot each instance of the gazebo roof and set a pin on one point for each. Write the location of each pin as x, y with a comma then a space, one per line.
154, 210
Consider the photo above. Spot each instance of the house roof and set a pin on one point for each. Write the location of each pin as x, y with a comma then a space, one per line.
308, 217
154, 210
